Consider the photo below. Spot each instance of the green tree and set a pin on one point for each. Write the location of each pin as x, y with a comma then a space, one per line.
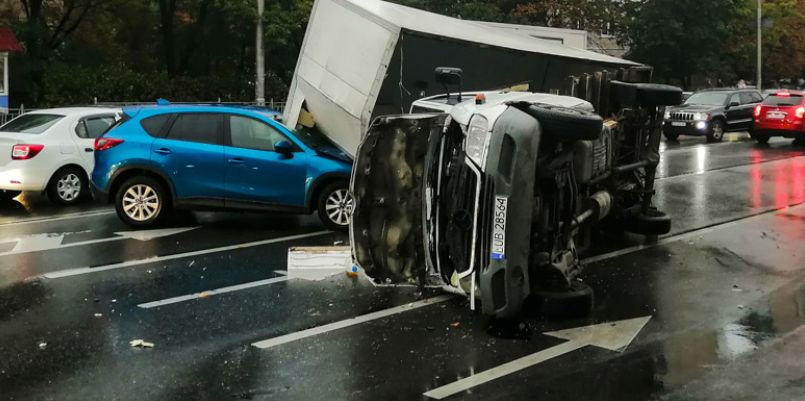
681, 38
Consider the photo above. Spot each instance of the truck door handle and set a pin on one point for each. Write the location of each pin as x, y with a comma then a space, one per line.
236, 160
163, 151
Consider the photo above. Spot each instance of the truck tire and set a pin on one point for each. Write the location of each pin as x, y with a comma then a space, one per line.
574, 302
658, 95
564, 123
653, 222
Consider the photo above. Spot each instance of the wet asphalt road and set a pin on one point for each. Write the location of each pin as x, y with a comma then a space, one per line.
724, 294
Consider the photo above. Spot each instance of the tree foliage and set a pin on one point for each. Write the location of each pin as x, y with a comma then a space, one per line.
137, 50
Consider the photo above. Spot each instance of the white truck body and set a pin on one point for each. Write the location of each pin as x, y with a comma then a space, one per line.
364, 58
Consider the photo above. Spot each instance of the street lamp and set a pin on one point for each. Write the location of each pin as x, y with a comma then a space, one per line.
260, 62
759, 83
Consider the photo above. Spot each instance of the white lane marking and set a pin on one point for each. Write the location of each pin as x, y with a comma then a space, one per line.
314, 331
61, 217
88, 270
614, 336
49, 241
683, 236
217, 291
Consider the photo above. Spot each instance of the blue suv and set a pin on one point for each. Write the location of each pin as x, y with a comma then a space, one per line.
218, 158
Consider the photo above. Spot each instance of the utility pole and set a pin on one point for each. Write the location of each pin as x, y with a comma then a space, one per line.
260, 61
759, 83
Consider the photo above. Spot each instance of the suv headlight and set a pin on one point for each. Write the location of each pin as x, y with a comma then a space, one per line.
700, 116
667, 115
477, 140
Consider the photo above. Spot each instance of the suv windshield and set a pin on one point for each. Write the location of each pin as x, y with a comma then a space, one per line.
31, 123
707, 98
789, 100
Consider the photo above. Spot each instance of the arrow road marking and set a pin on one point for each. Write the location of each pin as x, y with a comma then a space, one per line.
614, 336
46, 242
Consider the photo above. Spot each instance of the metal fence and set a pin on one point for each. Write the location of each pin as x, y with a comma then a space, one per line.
14, 113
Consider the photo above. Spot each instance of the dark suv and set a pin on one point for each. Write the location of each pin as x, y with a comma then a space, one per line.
711, 113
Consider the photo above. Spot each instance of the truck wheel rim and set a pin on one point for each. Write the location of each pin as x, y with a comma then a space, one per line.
68, 187
338, 206
140, 202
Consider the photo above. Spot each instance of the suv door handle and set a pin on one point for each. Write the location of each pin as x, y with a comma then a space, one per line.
236, 160
87, 149
163, 151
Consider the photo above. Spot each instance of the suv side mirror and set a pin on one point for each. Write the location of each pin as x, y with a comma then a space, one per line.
733, 104
284, 147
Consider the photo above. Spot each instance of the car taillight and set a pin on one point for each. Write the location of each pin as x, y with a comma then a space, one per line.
800, 112
25, 151
104, 143
757, 111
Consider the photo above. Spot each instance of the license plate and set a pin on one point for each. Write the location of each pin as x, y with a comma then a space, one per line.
775, 115
678, 124
499, 228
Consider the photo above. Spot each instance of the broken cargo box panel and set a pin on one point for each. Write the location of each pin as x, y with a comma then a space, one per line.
387, 185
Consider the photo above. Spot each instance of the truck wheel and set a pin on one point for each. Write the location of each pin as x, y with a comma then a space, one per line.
68, 186
335, 206
141, 202
574, 302
716, 133
658, 94
652, 222
564, 122
6, 194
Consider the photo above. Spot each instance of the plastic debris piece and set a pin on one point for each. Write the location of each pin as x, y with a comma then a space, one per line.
740, 306
192, 262
353, 271
455, 324
98, 315
338, 242
204, 294
139, 343
43, 345
114, 300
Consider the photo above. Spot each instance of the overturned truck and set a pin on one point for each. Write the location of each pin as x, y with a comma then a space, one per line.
498, 198
365, 58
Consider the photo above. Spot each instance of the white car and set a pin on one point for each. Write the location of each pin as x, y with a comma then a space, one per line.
51, 150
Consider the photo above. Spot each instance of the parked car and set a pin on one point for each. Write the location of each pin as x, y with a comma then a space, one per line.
218, 158
712, 113
780, 114
51, 150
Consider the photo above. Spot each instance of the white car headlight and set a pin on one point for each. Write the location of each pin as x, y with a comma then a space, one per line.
700, 116
477, 140
667, 115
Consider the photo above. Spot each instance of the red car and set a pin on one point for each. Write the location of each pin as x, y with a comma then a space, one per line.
780, 114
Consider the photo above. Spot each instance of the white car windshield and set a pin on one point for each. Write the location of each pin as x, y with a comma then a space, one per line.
31, 123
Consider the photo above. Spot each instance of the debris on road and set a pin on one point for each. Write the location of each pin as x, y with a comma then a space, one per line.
43, 345
204, 294
98, 315
139, 343
455, 324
